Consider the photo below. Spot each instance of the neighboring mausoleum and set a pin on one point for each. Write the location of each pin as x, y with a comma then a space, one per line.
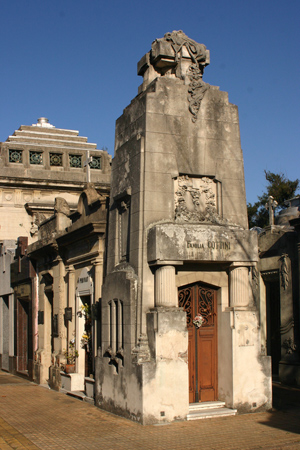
279, 256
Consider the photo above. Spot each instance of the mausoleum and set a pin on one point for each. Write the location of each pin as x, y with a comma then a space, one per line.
180, 302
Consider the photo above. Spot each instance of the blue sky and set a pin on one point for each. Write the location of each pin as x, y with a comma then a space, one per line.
74, 62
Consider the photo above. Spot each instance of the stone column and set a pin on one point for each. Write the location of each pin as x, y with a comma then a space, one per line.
165, 287
98, 280
44, 350
61, 304
239, 286
71, 299
98, 264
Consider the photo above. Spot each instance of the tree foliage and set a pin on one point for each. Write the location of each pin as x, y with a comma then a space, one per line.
281, 189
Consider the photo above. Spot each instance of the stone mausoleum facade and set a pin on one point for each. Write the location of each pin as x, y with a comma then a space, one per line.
69, 255
44, 172
39, 163
180, 303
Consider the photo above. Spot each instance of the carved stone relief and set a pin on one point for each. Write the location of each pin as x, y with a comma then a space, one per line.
284, 271
290, 346
27, 197
196, 200
8, 197
37, 219
197, 89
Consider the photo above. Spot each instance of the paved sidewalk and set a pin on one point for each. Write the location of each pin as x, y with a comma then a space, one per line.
33, 417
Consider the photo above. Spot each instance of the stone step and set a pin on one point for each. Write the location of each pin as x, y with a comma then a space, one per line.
77, 394
206, 410
80, 395
205, 405
211, 413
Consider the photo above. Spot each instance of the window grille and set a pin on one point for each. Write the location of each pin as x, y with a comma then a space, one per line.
36, 157
55, 159
96, 162
75, 160
15, 156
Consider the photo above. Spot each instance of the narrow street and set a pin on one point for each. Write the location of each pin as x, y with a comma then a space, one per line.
34, 417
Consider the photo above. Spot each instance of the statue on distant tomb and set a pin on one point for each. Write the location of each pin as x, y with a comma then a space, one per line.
270, 206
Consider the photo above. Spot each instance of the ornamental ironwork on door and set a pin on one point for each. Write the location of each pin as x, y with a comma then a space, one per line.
206, 305
199, 302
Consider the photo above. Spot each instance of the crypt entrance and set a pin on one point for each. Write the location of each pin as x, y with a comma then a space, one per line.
199, 299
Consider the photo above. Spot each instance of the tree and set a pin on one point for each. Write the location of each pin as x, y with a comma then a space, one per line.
281, 189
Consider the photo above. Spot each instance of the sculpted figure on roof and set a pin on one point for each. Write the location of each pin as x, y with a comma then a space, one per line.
176, 55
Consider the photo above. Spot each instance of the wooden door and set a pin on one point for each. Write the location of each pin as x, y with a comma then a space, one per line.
22, 335
202, 350
273, 323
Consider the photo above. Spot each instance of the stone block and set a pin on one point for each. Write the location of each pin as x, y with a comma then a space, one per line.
89, 387
156, 182
72, 381
223, 151
170, 242
159, 161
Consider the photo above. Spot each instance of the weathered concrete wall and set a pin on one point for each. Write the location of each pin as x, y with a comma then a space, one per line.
252, 382
118, 382
141, 382
165, 380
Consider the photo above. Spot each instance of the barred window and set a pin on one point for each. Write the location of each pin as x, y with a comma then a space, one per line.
15, 156
55, 159
96, 162
75, 160
36, 157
